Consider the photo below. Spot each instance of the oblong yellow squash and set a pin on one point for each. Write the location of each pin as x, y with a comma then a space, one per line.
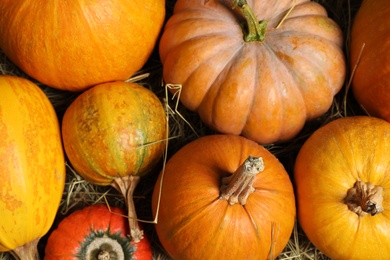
32, 168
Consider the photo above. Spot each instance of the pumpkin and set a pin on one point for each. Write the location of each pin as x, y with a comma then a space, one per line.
113, 134
73, 45
370, 57
223, 197
95, 232
32, 166
342, 184
262, 80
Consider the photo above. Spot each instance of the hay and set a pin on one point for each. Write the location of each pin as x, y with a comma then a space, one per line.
186, 126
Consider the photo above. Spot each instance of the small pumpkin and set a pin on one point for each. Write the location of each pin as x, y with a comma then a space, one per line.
256, 68
95, 232
223, 197
32, 166
370, 57
113, 134
73, 45
342, 184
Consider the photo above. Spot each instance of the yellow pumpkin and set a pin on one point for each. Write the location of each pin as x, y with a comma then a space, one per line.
32, 168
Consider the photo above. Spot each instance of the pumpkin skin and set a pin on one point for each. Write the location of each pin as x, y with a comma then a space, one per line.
265, 90
80, 43
114, 130
69, 241
336, 156
370, 63
32, 166
194, 224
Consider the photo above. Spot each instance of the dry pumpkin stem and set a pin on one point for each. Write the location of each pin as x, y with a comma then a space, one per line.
237, 187
104, 248
255, 29
365, 198
27, 251
126, 186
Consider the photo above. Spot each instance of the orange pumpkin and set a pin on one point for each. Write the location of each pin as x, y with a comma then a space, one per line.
113, 134
343, 188
224, 197
95, 232
370, 57
72, 45
32, 167
264, 79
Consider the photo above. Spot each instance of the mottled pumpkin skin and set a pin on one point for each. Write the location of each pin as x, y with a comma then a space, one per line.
72, 45
64, 242
266, 90
194, 224
32, 167
328, 164
114, 130
371, 63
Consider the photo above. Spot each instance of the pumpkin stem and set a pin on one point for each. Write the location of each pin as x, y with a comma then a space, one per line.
27, 251
255, 30
104, 248
365, 198
126, 185
237, 187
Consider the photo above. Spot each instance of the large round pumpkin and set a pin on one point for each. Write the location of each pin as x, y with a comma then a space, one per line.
224, 197
259, 79
95, 232
76, 44
343, 187
32, 167
113, 134
370, 57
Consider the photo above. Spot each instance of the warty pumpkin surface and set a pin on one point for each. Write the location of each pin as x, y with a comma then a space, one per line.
342, 184
73, 45
200, 219
95, 232
32, 167
264, 79
370, 57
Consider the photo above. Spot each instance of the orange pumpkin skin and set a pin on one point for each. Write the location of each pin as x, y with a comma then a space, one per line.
72, 45
371, 63
329, 163
263, 90
194, 224
32, 167
114, 130
88, 226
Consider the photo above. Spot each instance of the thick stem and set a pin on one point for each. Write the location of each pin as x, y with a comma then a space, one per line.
28, 251
365, 198
126, 186
237, 187
104, 248
255, 30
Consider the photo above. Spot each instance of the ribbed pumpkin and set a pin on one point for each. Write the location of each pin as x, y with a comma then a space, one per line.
72, 45
370, 57
95, 232
247, 70
113, 134
32, 167
343, 188
224, 197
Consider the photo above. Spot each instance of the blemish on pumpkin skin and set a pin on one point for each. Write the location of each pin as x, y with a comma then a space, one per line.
324, 23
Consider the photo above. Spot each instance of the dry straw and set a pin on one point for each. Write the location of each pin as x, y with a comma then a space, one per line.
186, 126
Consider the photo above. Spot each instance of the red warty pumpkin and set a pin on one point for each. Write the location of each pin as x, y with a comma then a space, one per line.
343, 188
72, 45
259, 79
224, 197
95, 232
32, 166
